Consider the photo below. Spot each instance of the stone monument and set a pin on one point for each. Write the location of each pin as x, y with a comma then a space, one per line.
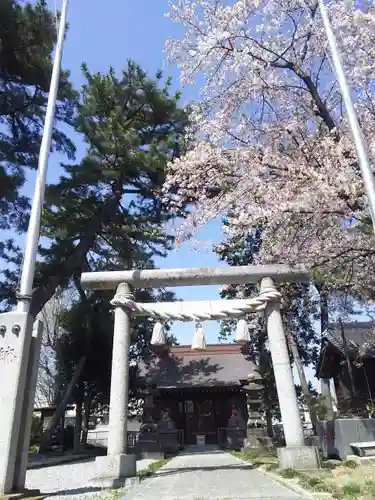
256, 433
15, 344
168, 434
149, 445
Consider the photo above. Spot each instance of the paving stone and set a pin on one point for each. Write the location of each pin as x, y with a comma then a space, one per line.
207, 475
70, 481
197, 474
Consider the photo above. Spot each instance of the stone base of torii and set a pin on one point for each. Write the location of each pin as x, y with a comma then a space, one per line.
20, 347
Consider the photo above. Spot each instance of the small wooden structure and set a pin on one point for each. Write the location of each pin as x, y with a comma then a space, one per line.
200, 391
46, 413
348, 356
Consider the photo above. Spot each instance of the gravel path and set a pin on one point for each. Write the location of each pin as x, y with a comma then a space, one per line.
69, 481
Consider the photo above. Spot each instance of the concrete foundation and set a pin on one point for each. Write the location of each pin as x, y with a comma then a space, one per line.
299, 457
115, 471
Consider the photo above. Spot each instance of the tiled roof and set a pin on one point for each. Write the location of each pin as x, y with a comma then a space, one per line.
358, 336
180, 367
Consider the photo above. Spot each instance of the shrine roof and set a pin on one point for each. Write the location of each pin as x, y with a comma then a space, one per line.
359, 337
180, 367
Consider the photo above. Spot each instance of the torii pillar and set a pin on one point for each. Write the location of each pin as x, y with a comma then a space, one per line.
295, 455
118, 468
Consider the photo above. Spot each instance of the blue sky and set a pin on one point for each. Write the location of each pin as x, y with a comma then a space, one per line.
102, 37
105, 34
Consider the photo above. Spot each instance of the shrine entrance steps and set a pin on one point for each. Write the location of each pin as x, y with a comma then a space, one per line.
209, 473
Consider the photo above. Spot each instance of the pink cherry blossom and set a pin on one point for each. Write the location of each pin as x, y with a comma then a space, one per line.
271, 139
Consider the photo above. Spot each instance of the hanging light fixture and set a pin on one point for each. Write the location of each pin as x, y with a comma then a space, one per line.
199, 341
242, 332
158, 335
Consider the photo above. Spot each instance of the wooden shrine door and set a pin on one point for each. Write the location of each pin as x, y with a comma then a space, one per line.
200, 420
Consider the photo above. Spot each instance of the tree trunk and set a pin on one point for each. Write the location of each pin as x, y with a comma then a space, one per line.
347, 359
324, 313
302, 377
85, 396
76, 260
77, 426
78, 371
86, 418
48, 433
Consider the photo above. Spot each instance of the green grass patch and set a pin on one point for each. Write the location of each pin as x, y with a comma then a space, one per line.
370, 487
344, 481
152, 469
119, 493
351, 464
288, 473
115, 494
351, 490
257, 458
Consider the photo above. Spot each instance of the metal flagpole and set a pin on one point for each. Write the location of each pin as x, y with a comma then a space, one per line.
33, 232
362, 155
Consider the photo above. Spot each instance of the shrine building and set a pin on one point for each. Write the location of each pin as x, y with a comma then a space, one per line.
206, 395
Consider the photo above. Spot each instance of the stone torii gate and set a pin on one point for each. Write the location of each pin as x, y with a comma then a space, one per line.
118, 467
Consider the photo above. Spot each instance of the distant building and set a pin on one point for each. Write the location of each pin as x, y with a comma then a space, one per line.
347, 356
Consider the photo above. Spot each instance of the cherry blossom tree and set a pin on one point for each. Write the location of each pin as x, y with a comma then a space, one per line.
271, 140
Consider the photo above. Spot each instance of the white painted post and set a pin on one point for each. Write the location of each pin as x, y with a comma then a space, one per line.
114, 469
286, 391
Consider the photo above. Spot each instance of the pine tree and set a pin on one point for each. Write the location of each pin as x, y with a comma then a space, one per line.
27, 34
27, 39
108, 209
107, 213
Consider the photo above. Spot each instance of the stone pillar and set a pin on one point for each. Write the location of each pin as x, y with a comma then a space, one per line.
27, 410
295, 455
15, 341
115, 469
325, 385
